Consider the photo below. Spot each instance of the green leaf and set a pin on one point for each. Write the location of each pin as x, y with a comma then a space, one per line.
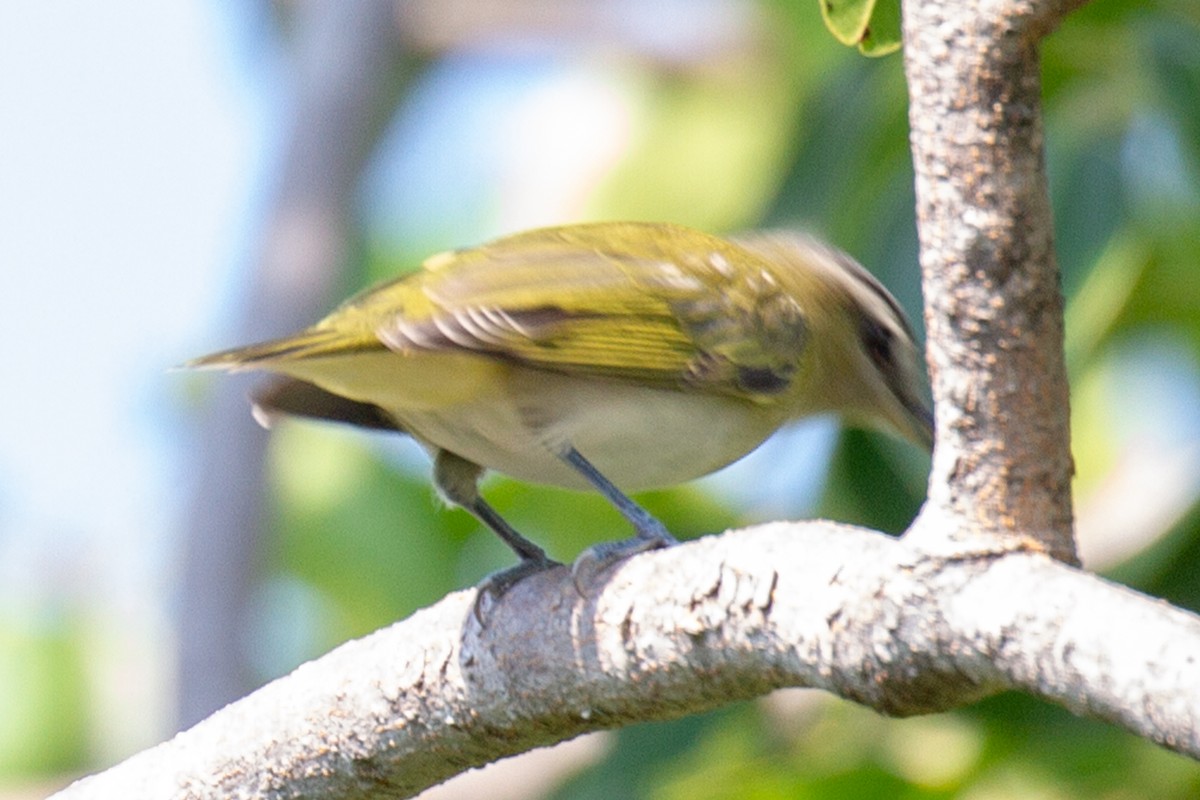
847, 19
871, 25
882, 35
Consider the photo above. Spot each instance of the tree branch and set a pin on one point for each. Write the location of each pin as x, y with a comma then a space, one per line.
994, 312
676, 632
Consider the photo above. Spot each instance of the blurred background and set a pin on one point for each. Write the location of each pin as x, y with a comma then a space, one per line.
181, 177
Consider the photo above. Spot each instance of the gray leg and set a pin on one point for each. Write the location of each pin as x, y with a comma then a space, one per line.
643, 521
651, 534
458, 481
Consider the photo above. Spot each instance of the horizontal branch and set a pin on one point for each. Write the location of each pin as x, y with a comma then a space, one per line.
678, 631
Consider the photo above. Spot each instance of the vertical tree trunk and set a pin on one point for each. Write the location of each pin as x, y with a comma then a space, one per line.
345, 59
1002, 466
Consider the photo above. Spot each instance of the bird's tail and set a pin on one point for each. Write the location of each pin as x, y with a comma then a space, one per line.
312, 343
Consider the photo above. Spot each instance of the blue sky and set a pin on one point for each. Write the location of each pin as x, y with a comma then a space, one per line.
130, 135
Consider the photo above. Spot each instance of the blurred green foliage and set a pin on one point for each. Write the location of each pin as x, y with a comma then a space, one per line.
42, 688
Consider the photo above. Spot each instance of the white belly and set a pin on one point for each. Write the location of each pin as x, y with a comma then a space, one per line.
640, 438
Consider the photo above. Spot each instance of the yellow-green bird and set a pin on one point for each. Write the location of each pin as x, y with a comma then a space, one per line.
610, 356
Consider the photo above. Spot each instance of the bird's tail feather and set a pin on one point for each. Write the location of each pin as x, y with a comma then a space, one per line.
313, 343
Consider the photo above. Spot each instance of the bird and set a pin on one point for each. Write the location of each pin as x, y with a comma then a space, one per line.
608, 356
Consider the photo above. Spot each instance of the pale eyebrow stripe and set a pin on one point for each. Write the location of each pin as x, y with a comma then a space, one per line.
872, 283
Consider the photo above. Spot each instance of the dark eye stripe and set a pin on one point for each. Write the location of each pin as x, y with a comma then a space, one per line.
877, 340
872, 284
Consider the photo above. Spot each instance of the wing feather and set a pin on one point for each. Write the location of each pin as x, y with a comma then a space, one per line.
658, 305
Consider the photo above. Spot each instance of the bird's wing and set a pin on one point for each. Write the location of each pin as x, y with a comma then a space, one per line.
656, 305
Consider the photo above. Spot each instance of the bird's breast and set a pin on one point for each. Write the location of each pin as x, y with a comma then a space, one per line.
639, 436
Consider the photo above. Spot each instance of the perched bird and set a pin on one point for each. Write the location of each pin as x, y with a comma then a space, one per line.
610, 356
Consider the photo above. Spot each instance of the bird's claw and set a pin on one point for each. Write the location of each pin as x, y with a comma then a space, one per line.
598, 558
496, 585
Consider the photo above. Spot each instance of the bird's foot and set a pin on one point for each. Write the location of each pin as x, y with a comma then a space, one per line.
495, 586
601, 557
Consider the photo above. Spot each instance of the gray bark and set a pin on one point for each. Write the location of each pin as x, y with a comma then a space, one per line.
994, 311
676, 632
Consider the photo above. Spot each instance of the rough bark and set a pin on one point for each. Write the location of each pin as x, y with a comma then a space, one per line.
994, 310
675, 632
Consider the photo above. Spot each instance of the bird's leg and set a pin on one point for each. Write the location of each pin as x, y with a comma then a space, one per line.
526, 550
458, 481
650, 533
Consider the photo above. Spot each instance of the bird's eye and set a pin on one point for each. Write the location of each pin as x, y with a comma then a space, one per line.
877, 340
